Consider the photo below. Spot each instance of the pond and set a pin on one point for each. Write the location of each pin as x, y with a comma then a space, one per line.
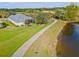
68, 41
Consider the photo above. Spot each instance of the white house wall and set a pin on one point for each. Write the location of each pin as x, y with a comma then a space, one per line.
17, 24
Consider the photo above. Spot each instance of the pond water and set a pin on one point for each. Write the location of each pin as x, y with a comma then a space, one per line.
68, 41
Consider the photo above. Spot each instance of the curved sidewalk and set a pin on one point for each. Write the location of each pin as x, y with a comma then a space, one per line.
20, 52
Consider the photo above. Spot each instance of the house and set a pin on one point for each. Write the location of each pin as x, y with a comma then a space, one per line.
18, 19
48, 11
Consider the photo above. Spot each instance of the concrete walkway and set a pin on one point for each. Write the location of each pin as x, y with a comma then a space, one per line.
21, 51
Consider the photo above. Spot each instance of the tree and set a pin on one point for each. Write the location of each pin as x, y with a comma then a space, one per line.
59, 14
4, 24
71, 12
41, 18
26, 22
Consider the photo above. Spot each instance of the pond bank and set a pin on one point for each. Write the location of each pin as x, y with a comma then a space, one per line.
68, 41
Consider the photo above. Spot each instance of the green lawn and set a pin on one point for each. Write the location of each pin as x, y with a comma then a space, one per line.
46, 44
13, 37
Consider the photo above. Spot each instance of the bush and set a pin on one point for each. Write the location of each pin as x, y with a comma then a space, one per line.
4, 24
27, 22
41, 18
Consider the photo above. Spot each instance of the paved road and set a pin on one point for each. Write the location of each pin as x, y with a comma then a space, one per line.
20, 52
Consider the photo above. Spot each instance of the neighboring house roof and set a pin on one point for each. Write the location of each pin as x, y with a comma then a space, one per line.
48, 11
18, 18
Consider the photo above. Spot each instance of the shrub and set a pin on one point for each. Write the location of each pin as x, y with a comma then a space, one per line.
26, 22
41, 18
4, 24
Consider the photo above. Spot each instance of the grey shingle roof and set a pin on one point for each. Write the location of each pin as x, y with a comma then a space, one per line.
20, 18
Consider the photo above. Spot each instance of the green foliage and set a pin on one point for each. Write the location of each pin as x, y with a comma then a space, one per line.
4, 24
26, 22
59, 14
71, 12
32, 11
41, 18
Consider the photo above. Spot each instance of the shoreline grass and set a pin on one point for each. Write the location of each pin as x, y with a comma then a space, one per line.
45, 45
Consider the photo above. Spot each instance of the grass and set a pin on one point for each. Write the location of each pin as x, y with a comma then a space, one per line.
13, 37
9, 23
45, 45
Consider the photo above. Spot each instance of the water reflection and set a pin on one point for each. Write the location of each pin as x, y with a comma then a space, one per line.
68, 41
